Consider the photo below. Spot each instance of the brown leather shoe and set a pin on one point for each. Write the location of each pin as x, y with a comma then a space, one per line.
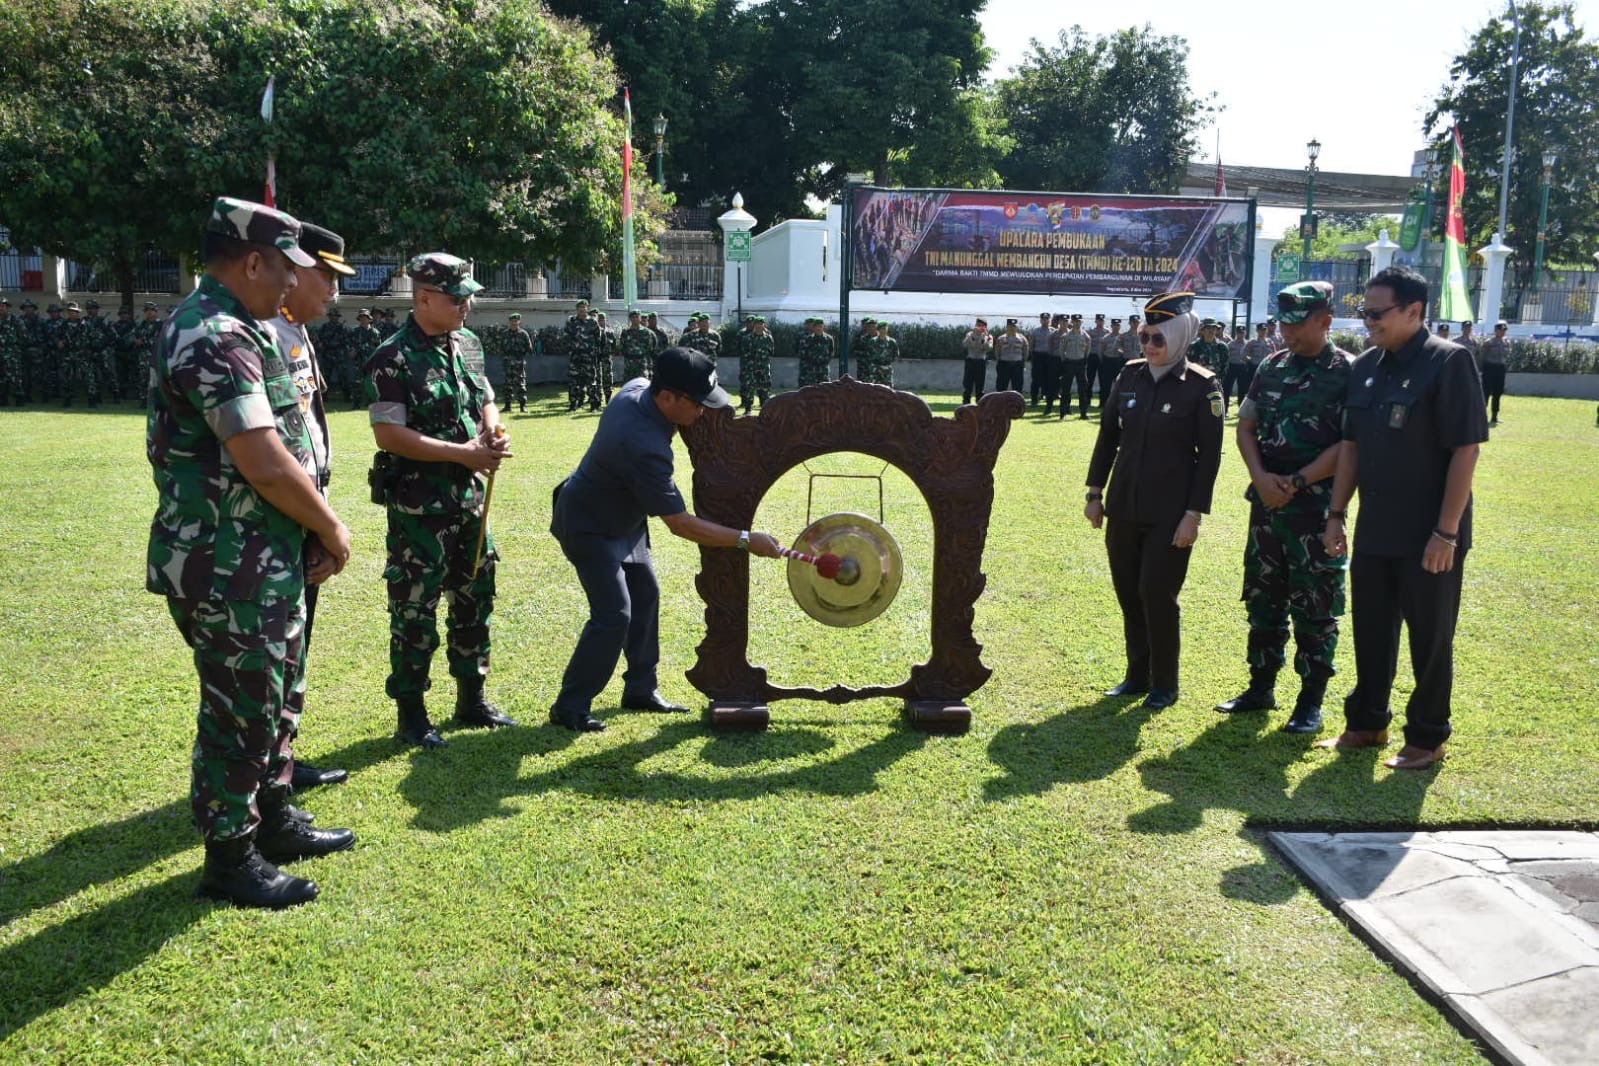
1356, 738
1411, 757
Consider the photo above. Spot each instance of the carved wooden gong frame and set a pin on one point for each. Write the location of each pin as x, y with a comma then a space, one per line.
951, 460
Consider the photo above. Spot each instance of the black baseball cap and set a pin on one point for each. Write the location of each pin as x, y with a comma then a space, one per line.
692, 373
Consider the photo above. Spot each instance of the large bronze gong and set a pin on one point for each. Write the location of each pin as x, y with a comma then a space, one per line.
950, 460
868, 577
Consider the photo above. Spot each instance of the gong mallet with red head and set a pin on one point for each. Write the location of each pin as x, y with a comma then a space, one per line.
829, 566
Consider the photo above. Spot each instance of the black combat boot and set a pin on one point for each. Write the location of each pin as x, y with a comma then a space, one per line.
1307, 709
414, 725
1261, 695
472, 708
236, 873
284, 837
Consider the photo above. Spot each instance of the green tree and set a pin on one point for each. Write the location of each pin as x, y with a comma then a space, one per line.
1558, 83
1104, 114
1331, 236
483, 127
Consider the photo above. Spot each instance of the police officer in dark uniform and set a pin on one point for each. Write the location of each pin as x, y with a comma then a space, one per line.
1159, 447
601, 517
1413, 426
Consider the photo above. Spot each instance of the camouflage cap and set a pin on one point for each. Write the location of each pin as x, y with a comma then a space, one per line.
258, 224
334, 312
29, 303
365, 312
447, 273
582, 304
1302, 299
92, 305
151, 305
652, 314
53, 309
124, 310
72, 305
4, 302
635, 313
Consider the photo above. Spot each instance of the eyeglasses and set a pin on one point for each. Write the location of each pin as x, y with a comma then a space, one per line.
458, 301
1371, 314
1150, 339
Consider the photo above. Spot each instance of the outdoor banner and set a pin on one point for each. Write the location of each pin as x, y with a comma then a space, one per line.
1090, 244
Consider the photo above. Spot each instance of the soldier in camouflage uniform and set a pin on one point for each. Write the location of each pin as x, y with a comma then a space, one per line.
51, 373
755, 364
227, 549
433, 414
76, 371
121, 375
359, 344
385, 323
652, 322
815, 350
1290, 426
604, 366
96, 346
31, 364
637, 345
884, 352
516, 349
142, 340
10, 356
582, 358
1210, 352
339, 369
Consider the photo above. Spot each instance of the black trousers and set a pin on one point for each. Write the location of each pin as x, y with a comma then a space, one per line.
1385, 592
624, 617
972, 379
1047, 372
1038, 360
1109, 367
1074, 372
1008, 376
1493, 386
1239, 375
1148, 574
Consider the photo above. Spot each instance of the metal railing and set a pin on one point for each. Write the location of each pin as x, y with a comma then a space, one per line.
502, 280
21, 273
154, 272
683, 281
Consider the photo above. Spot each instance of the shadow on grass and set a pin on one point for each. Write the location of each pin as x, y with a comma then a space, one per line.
1083, 744
1241, 764
55, 966
111, 851
446, 799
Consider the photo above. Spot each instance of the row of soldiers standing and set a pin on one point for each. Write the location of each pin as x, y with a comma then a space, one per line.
68, 354
341, 349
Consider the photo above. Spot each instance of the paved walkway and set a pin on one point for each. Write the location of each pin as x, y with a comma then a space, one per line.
1502, 926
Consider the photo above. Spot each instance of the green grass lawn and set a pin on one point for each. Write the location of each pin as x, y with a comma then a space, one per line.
1076, 880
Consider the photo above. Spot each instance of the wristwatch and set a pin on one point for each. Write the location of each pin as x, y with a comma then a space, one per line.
1298, 481
743, 540
1092, 496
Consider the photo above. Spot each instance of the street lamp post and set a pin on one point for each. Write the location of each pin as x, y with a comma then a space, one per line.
1510, 127
1307, 225
1543, 220
660, 150
1431, 178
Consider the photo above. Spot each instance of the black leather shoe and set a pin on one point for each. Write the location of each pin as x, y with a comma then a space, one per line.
236, 873
1159, 699
290, 840
472, 708
578, 723
308, 776
420, 738
1304, 720
1251, 699
1129, 687
654, 702
303, 817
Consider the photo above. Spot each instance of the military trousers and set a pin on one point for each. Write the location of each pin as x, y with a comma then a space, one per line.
1384, 593
624, 618
431, 556
1148, 574
973, 378
250, 659
515, 380
1288, 575
812, 371
580, 384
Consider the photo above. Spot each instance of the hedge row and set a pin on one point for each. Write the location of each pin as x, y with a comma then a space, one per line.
944, 342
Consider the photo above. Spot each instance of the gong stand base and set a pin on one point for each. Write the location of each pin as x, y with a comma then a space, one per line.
728, 717
942, 717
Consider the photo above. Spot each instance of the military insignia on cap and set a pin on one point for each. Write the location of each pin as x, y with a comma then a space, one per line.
1167, 306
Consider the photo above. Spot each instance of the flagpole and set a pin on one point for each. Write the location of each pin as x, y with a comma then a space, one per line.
629, 266
270, 195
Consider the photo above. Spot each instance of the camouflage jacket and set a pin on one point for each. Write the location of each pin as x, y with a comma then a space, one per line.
583, 336
708, 341
516, 344
332, 340
1212, 355
10, 336
217, 373
1297, 406
815, 349
436, 386
359, 344
758, 349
